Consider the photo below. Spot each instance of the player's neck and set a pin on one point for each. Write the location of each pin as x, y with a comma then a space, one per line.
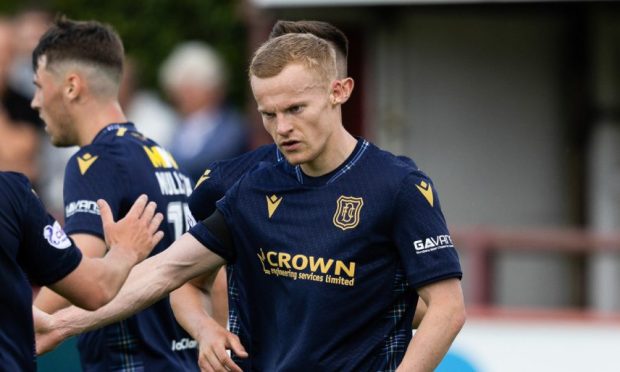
96, 117
337, 151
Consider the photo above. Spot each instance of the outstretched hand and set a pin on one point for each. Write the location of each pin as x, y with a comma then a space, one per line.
213, 343
136, 233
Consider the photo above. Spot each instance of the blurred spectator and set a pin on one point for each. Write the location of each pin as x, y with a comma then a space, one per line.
154, 118
19, 123
29, 26
195, 79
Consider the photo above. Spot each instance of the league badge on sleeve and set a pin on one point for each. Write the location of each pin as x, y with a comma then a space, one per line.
56, 236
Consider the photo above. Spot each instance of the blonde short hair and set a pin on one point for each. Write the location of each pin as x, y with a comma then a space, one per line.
306, 49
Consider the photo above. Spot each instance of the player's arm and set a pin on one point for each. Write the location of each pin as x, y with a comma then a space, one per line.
148, 282
444, 318
205, 292
420, 310
97, 280
191, 304
192, 301
435, 273
91, 246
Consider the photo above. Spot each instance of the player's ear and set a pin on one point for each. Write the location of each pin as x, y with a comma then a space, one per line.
347, 84
74, 85
341, 90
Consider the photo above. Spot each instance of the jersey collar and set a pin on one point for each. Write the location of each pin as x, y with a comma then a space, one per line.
326, 179
113, 127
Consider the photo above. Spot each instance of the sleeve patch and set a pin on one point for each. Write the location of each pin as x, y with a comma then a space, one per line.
55, 236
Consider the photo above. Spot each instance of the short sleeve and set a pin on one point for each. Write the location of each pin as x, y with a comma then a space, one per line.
210, 231
219, 176
421, 234
209, 189
91, 175
214, 234
46, 254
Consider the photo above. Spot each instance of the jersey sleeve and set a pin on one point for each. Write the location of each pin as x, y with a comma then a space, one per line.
90, 175
214, 232
215, 235
421, 234
221, 175
209, 189
46, 254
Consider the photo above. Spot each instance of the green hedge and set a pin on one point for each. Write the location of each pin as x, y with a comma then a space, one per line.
151, 28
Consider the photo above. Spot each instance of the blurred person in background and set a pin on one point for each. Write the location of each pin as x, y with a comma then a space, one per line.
153, 117
20, 126
194, 77
29, 25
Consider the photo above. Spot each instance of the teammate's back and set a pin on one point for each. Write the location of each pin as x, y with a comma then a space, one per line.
117, 166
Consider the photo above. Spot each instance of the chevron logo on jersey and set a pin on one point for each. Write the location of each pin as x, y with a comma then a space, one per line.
85, 161
205, 176
427, 192
348, 209
272, 204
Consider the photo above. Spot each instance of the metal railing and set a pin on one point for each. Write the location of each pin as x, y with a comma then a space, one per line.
480, 243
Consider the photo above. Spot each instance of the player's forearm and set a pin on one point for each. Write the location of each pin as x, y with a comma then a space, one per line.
142, 288
420, 310
191, 306
435, 334
39, 317
112, 270
148, 282
91, 285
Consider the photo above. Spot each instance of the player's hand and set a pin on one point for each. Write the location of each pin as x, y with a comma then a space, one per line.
47, 336
213, 342
136, 233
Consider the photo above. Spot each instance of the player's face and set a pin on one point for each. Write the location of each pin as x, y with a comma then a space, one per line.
297, 113
48, 101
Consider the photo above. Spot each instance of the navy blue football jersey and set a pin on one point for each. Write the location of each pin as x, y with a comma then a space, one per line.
219, 176
118, 166
35, 250
326, 267
211, 187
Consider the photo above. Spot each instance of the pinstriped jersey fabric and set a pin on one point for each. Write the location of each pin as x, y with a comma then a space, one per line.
325, 266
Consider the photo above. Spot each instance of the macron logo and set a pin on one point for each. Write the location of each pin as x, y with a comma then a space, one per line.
433, 244
273, 202
85, 161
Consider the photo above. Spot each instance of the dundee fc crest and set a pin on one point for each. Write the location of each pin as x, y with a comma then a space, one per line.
347, 214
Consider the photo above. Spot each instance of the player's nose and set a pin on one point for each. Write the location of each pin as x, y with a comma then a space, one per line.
34, 103
283, 125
